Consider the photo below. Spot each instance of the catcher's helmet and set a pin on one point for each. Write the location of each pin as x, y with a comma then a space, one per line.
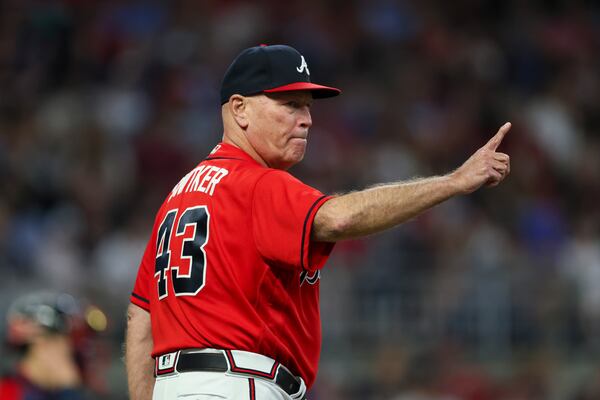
54, 312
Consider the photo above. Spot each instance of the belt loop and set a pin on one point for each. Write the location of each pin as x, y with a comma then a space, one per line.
301, 393
226, 354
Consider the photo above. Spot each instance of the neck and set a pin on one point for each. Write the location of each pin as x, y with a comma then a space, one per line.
242, 142
49, 365
36, 373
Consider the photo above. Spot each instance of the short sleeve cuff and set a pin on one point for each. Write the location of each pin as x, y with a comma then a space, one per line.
313, 255
140, 301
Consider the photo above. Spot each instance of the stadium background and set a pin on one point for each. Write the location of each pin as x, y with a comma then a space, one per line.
104, 104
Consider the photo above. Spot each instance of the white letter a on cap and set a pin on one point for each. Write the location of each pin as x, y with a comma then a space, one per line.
303, 66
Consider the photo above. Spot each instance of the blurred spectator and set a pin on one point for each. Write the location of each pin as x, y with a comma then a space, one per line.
580, 264
591, 388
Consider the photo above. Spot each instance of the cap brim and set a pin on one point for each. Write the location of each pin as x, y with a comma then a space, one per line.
318, 91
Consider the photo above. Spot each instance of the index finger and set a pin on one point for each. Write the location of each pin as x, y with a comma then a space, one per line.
495, 141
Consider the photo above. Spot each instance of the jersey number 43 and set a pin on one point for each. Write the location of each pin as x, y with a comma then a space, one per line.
192, 249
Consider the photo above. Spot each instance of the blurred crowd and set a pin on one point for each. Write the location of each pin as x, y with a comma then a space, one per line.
491, 296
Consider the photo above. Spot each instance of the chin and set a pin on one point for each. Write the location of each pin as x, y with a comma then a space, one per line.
299, 156
297, 152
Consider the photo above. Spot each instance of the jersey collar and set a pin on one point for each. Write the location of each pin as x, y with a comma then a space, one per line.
226, 151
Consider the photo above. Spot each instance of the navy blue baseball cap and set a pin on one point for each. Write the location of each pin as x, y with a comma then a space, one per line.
269, 69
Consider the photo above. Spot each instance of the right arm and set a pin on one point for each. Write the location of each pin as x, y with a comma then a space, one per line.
138, 348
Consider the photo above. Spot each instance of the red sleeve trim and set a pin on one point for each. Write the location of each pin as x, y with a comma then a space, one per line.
306, 229
140, 301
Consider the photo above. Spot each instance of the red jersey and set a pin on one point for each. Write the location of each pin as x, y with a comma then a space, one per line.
230, 263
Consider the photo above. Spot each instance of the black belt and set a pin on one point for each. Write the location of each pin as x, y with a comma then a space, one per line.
216, 362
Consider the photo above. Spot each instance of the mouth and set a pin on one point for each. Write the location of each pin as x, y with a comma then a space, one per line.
299, 139
303, 137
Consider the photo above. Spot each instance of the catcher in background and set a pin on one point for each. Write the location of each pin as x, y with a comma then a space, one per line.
46, 330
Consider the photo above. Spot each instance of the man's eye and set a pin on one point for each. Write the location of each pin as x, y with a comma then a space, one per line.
297, 104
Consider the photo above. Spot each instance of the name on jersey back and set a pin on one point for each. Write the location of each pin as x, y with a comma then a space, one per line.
203, 178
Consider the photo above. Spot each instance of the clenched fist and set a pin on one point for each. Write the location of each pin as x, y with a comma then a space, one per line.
486, 167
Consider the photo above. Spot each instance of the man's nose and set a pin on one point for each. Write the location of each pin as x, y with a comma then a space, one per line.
305, 118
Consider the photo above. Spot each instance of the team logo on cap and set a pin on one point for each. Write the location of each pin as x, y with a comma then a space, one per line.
303, 66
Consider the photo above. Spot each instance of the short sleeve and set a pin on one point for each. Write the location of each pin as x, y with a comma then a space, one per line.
283, 211
143, 283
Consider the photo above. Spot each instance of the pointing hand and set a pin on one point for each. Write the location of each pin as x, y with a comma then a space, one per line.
485, 167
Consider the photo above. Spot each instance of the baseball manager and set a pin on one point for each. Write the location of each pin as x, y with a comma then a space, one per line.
226, 301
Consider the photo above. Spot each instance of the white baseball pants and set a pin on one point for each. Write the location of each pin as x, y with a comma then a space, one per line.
214, 386
236, 375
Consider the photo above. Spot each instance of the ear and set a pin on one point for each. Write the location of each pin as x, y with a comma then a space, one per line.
238, 107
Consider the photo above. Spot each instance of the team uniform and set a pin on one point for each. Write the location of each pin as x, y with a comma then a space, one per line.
231, 269
230, 275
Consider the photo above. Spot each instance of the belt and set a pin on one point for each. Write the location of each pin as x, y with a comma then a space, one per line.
225, 361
